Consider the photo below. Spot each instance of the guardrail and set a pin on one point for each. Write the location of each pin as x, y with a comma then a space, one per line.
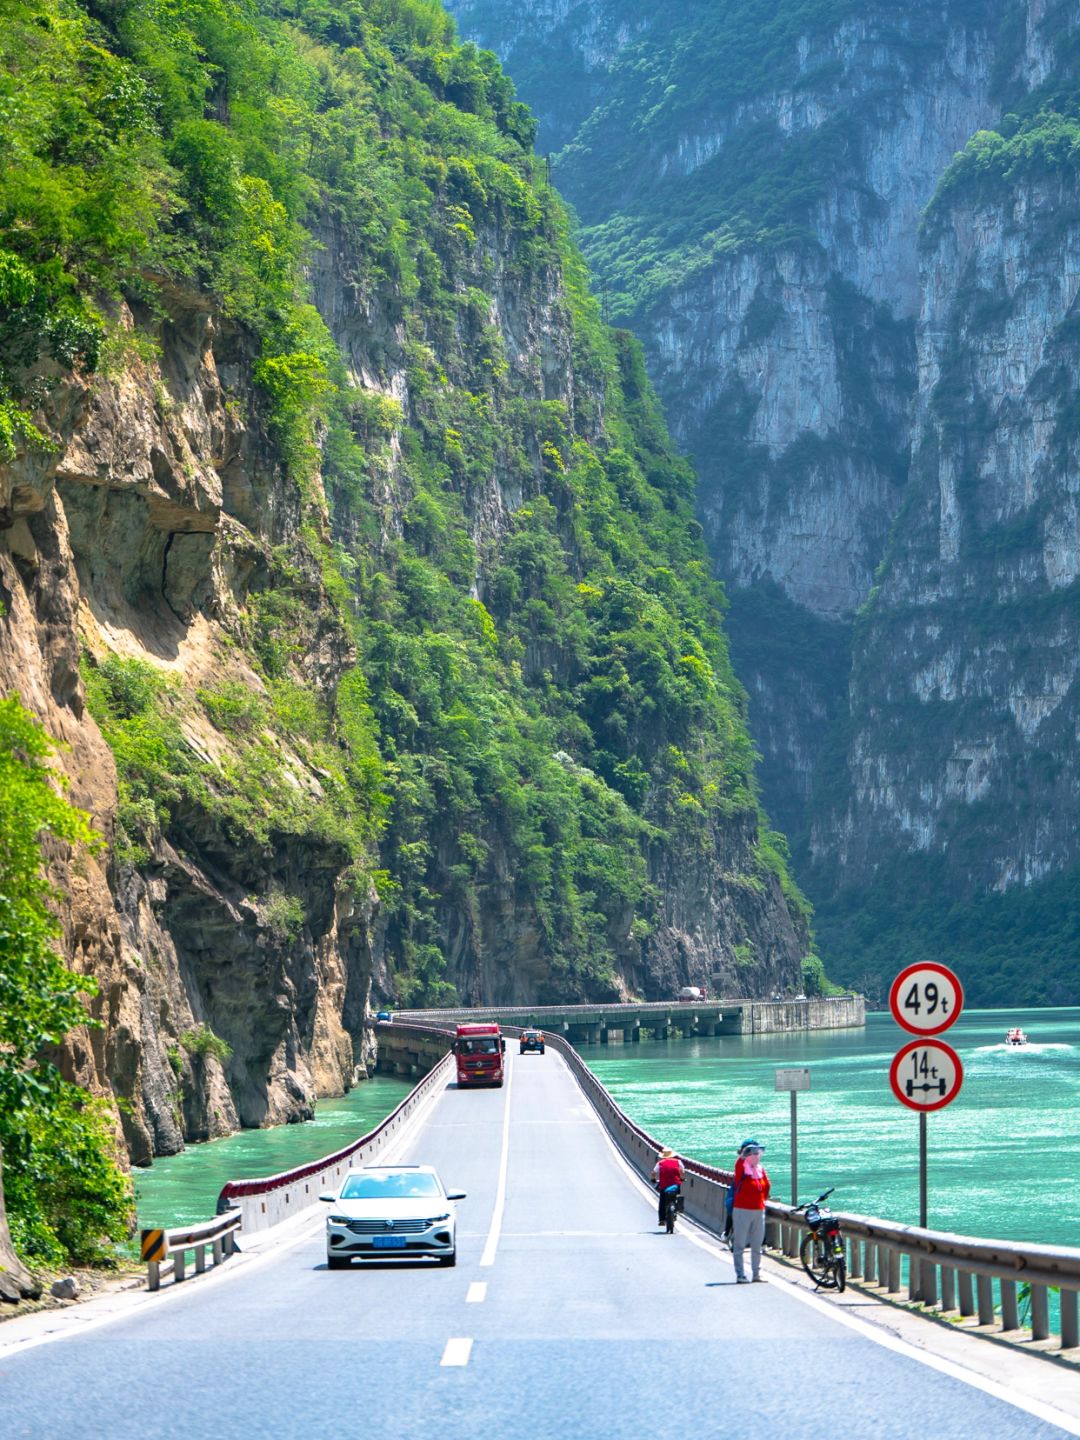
974, 1277
158, 1247
953, 1272
269, 1200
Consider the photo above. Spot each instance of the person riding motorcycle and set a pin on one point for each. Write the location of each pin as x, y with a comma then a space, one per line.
669, 1170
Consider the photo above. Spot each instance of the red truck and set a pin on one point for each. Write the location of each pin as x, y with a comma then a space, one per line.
479, 1051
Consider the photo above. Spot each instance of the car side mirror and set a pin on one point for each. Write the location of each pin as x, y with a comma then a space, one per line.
504, 1047
456, 1195
455, 1049
328, 1197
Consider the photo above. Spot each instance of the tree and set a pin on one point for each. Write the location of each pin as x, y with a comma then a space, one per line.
39, 997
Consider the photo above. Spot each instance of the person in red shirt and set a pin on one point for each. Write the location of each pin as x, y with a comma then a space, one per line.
751, 1188
668, 1170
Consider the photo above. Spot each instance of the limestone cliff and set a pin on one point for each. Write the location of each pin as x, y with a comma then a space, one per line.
345, 548
141, 535
751, 194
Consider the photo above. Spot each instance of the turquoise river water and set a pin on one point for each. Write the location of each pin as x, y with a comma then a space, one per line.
180, 1189
1004, 1157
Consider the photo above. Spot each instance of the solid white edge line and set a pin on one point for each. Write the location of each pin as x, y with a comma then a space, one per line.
457, 1351
477, 1293
491, 1244
704, 1240
249, 1261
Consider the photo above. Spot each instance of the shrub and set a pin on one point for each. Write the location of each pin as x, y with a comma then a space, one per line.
201, 1043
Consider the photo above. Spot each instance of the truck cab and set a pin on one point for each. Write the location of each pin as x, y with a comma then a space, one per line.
479, 1051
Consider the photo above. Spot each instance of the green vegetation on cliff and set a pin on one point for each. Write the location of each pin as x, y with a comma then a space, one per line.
65, 1193
539, 696
750, 118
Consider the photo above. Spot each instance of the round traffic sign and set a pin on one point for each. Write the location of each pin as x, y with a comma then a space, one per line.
926, 999
926, 1075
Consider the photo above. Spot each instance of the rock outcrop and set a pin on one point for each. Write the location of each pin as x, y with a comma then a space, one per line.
141, 535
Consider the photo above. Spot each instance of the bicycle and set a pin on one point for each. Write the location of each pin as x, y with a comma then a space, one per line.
672, 1206
822, 1249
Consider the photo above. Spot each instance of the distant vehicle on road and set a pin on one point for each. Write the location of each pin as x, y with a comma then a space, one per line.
692, 992
383, 1212
479, 1051
532, 1040
384, 1015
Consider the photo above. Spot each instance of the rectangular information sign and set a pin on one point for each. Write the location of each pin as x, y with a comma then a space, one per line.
792, 1079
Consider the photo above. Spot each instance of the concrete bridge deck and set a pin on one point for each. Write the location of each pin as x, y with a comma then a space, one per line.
613, 1023
569, 1315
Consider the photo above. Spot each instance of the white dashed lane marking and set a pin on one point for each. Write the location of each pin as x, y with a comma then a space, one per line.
477, 1292
457, 1352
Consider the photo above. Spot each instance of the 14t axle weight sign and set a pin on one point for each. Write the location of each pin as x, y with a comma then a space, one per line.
926, 1075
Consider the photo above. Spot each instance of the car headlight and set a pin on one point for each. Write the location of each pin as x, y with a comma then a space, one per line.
337, 1219
438, 1219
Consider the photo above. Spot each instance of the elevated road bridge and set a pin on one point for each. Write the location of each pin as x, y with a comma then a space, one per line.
610, 1024
569, 1315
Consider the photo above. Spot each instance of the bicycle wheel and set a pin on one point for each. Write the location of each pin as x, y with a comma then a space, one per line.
815, 1262
839, 1269
670, 1211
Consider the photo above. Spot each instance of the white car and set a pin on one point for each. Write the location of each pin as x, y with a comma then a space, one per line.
385, 1212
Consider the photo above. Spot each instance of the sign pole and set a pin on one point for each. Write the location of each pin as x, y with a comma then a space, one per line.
794, 1080
794, 1147
922, 1169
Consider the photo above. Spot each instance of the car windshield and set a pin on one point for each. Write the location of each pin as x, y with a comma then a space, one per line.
394, 1185
485, 1045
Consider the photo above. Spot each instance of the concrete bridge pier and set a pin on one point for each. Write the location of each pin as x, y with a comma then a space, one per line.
635, 1033
611, 1036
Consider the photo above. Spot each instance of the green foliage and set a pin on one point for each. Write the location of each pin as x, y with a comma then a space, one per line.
66, 1195
283, 916
543, 705
992, 163
911, 912
201, 1043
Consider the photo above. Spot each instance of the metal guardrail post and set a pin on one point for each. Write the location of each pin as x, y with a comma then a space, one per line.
1070, 1319
1040, 1313
948, 1288
965, 1292
855, 1262
928, 1282
893, 1286
984, 1284
913, 1290
1010, 1311
179, 1262
870, 1269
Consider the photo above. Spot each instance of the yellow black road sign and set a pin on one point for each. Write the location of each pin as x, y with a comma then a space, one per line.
155, 1245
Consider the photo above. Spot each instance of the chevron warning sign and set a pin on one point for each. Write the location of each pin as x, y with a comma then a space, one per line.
155, 1245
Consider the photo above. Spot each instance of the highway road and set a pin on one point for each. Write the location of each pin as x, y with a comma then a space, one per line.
569, 1314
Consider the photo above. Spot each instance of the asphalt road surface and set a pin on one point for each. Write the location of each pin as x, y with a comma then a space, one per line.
569, 1314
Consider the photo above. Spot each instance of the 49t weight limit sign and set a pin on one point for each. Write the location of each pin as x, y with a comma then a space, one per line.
925, 999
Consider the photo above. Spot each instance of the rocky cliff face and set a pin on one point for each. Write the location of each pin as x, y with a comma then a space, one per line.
861, 403
360, 577
139, 538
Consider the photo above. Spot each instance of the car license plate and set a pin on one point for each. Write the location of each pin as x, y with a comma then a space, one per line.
388, 1242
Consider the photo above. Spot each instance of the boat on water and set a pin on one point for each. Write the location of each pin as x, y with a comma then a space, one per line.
1015, 1038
